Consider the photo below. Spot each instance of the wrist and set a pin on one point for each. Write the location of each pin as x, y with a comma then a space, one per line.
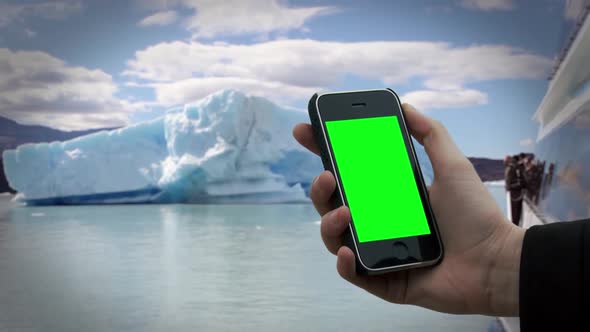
504, 271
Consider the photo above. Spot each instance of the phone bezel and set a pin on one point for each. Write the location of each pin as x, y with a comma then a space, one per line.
379, 256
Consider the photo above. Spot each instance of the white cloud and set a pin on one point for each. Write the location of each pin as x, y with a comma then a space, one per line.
300, 66
235, 17
54, 10
157, 4
488, 5
213, 18
160, 18
527, 142
38, 88
189, 90
432, 99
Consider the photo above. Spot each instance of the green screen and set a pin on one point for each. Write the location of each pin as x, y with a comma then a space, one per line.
377, 177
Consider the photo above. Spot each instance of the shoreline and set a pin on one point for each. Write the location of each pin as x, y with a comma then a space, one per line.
7, 196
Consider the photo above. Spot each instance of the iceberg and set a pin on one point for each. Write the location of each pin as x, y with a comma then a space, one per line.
226, 148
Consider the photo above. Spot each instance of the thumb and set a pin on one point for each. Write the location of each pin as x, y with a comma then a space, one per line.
446, 158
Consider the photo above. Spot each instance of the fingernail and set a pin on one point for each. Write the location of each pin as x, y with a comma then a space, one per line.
314, 180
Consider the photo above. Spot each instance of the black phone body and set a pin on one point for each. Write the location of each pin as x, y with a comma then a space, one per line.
365, 143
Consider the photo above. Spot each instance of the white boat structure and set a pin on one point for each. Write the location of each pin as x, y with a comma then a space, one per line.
563, 141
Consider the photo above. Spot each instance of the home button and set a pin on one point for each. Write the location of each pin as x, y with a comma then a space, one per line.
400, 250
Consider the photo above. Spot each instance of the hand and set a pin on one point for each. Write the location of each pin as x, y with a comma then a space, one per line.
480, 270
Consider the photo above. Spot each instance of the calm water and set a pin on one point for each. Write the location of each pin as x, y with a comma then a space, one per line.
185, 267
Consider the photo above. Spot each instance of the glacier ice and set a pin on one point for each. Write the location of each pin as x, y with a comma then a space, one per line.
227, 147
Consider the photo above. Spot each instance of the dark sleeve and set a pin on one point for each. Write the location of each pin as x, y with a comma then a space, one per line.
507, 178
555, 277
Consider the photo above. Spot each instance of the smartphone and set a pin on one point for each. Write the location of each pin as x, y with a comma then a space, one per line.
365, 143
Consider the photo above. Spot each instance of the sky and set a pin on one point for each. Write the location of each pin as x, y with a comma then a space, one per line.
478, 66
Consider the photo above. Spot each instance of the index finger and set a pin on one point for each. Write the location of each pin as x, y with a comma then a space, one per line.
304, 135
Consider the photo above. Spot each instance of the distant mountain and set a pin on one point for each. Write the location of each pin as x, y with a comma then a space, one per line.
13, 134
4, 187
488, 169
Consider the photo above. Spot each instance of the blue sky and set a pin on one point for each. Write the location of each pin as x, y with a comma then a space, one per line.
479, 66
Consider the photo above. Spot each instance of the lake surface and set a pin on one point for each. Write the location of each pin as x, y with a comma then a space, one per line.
186, 267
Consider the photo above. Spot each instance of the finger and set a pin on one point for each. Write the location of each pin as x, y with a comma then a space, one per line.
391, 287
445, 156
304, 135
418, 124
321, 190
346, 266
334, 223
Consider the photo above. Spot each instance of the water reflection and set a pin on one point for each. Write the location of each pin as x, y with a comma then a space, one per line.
565, 182
185, 268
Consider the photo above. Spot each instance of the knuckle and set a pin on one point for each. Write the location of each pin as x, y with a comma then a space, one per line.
331, 244
324, 226
456, 165
324, 223
318, 191
439, 127
314, 193
461, 164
